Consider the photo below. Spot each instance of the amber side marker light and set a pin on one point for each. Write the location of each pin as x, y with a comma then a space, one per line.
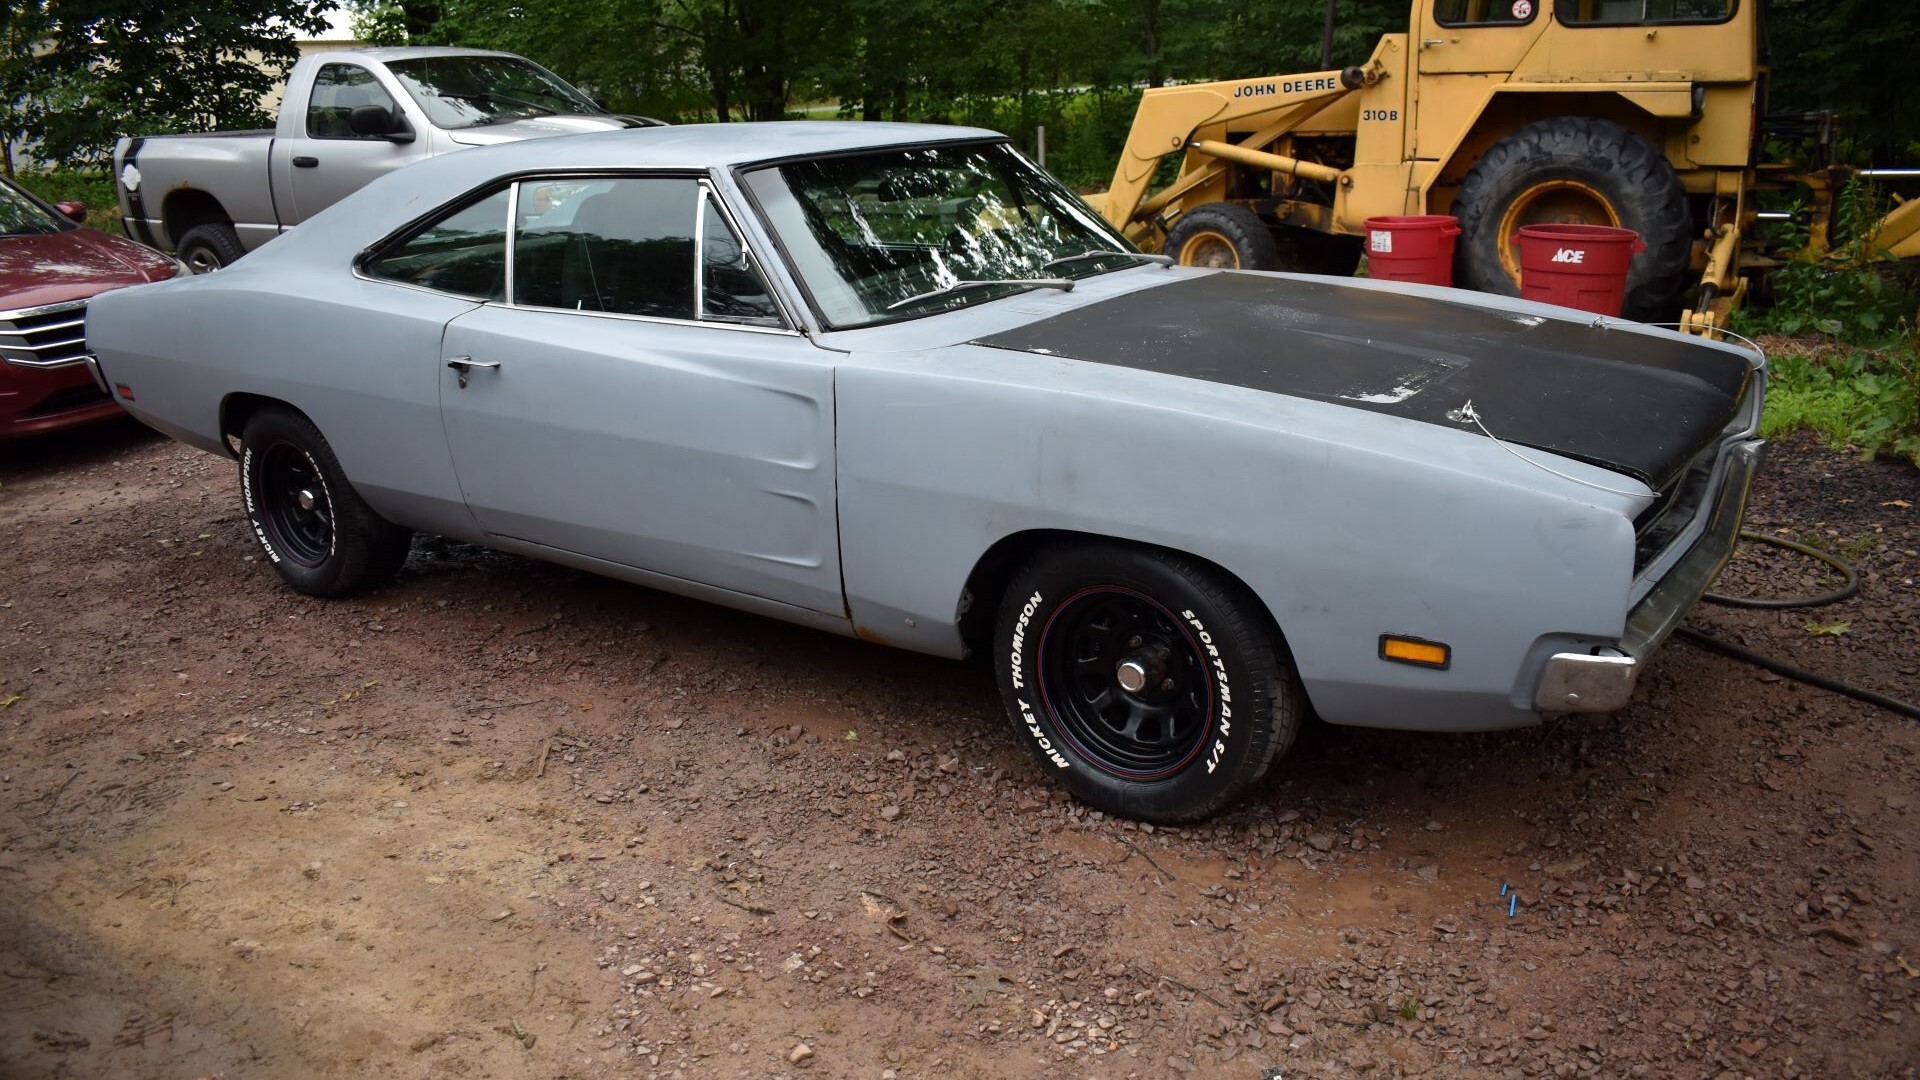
1407, 650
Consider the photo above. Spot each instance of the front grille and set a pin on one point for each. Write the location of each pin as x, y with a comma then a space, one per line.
1685, 497
51, 336
1662, 523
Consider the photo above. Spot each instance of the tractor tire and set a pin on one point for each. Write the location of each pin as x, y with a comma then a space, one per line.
1225, 236
1568, 170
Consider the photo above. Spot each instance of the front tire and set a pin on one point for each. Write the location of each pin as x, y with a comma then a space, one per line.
1575, 170
207, 248
1224, 236
1149, 684
315, 529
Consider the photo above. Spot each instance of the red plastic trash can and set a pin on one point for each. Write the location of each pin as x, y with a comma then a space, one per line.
1412, 247
1577, 266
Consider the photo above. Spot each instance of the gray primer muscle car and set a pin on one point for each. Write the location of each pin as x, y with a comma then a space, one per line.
893, 381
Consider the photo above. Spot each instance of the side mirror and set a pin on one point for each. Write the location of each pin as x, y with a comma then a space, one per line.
73, 210
376, 121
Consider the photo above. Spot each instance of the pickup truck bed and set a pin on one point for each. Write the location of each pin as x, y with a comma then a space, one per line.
346, 118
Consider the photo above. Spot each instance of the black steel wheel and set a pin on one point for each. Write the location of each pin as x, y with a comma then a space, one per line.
1151, 684
295, 504
315, 529
1127, 681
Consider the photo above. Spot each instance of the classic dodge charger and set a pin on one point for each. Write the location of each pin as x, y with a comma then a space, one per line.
894, 381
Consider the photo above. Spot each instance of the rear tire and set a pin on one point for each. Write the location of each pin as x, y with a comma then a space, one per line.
1149, 684
317, 532
207, 248
1224, 236
1575, 169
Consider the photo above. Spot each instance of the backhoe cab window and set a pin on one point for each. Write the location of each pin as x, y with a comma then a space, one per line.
1484, 12
1643, 12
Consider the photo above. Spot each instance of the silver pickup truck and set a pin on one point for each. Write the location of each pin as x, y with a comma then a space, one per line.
346, 118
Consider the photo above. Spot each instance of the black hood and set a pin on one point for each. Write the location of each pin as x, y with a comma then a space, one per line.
1636, 403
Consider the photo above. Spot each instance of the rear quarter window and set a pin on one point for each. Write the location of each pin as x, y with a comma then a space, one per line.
463, 253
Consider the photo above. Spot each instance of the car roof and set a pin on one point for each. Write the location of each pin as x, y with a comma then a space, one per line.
384, 53
709, 146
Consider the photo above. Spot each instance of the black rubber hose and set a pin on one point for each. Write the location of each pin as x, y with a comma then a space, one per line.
1845, 592
1728, 648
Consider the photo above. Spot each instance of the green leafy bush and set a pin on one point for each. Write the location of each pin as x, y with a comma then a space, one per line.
93, 188
1853, 292
1867, 399
1846, 361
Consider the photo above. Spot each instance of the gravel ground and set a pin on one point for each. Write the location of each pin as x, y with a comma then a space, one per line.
507, 820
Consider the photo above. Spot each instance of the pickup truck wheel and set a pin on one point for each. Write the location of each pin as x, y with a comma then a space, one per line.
1149, 684
207, 248
322, 538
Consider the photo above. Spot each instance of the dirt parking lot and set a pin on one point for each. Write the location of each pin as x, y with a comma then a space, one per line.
507, 820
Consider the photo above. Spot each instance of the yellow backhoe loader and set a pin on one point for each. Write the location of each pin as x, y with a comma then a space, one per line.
1505, 113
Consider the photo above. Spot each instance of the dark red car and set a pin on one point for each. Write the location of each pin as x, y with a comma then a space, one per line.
49, 268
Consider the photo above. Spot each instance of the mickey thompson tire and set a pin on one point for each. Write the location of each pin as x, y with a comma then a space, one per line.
1149, 684
1575, 170
316, 531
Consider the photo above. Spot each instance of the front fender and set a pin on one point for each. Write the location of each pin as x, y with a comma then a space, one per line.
1345, 524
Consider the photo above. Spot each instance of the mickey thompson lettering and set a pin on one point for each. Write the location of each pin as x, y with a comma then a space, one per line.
1020, 681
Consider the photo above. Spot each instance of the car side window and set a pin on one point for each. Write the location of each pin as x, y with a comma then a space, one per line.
731, 287
338, 89
464, 253
1484, 12
624, 246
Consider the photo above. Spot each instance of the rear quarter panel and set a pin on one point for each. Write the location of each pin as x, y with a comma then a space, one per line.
361, 359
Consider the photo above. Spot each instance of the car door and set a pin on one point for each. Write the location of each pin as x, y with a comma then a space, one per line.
641, 398
328, 161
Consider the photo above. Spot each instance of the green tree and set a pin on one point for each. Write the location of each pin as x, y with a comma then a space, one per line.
1850, 57
80, 73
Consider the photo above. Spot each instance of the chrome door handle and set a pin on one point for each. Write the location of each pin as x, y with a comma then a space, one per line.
465, 365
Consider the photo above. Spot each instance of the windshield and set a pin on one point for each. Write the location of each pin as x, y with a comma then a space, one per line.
22, 215
875, 236
468, 91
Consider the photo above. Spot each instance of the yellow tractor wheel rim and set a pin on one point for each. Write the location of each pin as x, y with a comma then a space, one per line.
1209, 248
1551, 202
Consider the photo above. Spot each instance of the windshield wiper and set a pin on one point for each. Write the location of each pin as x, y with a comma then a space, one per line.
1100, 253
1063, 284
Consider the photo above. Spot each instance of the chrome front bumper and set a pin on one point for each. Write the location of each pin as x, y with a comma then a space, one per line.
1586, 682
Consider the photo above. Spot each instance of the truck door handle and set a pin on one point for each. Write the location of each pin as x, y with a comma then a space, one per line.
305, 162
465, 365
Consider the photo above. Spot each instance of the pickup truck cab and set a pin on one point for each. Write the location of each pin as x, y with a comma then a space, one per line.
346, 118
